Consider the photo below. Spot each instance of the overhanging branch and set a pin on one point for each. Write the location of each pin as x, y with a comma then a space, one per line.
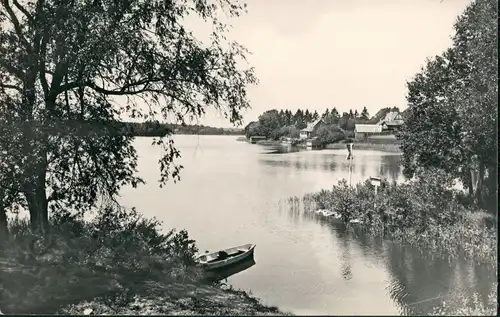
7, 86
15, 22
23, 10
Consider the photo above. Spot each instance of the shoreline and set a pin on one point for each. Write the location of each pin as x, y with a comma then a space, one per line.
178, 299
384, 147
86, 272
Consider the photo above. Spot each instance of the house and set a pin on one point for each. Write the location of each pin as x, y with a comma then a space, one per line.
392, 121
310, 129
362, 131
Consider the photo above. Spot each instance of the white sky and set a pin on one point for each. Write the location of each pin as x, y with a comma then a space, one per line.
345, 53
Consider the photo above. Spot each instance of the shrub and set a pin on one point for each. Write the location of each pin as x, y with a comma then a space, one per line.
115, 251
424, 212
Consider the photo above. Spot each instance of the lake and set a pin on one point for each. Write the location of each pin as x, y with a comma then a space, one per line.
233, 193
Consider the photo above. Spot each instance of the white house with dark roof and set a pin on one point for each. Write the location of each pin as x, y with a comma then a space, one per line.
361, 131
311, 128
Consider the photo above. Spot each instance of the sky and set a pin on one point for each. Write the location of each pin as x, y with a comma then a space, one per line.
318, 54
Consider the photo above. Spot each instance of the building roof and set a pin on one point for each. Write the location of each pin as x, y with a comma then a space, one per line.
310, 127
392, 118
368, 128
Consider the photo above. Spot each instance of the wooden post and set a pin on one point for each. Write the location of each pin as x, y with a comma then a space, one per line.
376, 181
350, 171
350, 157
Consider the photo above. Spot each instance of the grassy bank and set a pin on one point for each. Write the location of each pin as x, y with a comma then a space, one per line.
424, 213
117, 263
386, 147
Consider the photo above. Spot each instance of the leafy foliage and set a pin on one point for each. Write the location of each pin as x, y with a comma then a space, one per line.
329, 134
116, 250
69, 70
424, 212
452, 117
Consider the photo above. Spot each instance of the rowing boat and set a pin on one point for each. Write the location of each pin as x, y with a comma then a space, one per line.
226, 257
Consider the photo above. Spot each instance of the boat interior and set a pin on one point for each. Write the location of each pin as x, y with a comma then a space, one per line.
229, 253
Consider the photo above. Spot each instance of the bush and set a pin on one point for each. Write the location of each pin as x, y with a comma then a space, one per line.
115, 251
423, 212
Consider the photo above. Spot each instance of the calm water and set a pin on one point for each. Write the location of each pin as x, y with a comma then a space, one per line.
233, 193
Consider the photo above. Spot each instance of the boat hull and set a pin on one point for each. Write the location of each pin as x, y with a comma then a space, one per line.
248, 252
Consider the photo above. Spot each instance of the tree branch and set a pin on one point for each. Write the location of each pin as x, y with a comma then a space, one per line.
23, 10
42, 71
15, 22
11, 69
7, 86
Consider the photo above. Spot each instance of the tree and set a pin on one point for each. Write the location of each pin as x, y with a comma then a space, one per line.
269, 121
431, 134
326, 114
364, 114
329, 134
476, 90
335, 114
347, 122
253, 129
308, 116
69, 69
453, 106
315, 115
287, 131
299, 120
332, 117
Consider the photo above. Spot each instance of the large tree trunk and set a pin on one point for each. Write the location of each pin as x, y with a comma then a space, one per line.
4, 229
36, 198
473, 181
479, 188
470, 183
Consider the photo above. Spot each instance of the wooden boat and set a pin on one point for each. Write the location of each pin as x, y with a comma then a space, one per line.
227, 257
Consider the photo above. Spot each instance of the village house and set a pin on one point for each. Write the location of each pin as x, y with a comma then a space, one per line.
391, 122
310, 129
362, 131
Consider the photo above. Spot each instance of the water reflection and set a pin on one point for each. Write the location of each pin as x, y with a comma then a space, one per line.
224, 273
345, 251
364, 164
419, 281
390, 166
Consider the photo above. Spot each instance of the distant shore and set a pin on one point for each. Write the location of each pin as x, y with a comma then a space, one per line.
392, 147
388, 147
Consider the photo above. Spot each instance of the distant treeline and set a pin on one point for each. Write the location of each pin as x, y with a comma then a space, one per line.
153, 129
275, 124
